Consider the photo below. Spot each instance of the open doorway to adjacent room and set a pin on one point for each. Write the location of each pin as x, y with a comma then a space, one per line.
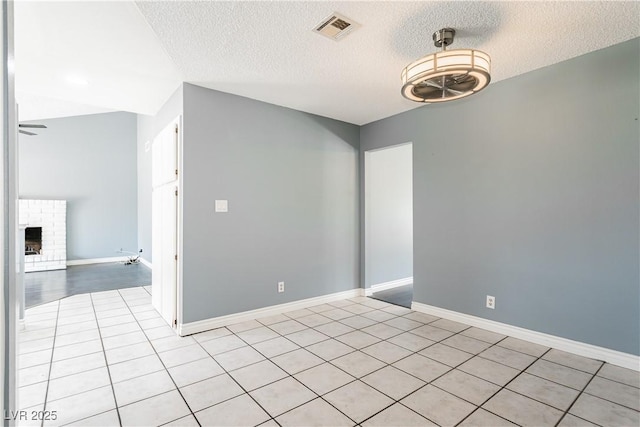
389, 224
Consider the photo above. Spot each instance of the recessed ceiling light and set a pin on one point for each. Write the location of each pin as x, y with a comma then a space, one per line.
77, 80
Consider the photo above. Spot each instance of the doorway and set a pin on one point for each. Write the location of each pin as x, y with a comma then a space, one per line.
389, 224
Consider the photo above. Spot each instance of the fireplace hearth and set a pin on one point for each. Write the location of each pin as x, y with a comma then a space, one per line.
45, 234
32, 240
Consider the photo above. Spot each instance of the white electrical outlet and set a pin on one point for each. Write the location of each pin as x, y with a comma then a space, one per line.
491, 302
280, 286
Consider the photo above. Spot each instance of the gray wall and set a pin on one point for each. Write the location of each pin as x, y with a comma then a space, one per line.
291, 179
528, 191
148, 128
90, 161
389, 214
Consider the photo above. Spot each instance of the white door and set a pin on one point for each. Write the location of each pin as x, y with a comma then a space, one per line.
164, 222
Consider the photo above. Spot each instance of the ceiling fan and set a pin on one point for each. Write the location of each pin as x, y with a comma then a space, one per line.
28, 126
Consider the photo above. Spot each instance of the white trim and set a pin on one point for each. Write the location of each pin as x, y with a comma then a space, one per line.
392, 284
614, 357
145, 263
218, 322
96, 260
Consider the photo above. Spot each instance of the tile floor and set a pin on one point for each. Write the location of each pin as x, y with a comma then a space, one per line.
108, 359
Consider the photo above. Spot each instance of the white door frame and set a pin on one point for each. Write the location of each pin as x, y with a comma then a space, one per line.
176, 184
367, 214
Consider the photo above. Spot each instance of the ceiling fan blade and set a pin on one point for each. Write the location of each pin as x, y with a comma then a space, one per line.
25, 125
26, 132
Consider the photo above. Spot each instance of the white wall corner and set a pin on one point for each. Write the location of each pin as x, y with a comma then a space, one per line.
625, 360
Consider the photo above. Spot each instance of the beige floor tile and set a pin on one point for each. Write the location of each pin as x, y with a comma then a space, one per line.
358, 364
334, 329
522, 410
275, 347
403, 323
422, 367
444, 354
306, 337
616, 392
257, 375
382, 331
281, 396
316, 413
397, 415
560, 374
483, 335
297, 361
573, 361
122, 354
523, 346
287, 327
238, 358
468, 344
256, 335
488, 370
324, 378
195, 371
386, 352
156, 410
314, 320
222, 344
80, 406
182, 355
109, 418
393, 382
358, 400
438, 406
621, 375
508, 357
358, 322
547, 392
432, 333
482, 418
357, 339
330, 349
239, 411
210, 392
78, 383
134, 368
411, 341
467, 387
143, 387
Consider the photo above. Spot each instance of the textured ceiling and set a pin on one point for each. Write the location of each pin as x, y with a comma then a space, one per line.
108, 44
267, 51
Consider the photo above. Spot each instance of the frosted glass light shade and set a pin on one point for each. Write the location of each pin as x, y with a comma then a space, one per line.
446, 75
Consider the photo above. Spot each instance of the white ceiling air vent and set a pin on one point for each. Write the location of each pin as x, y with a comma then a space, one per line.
336, 26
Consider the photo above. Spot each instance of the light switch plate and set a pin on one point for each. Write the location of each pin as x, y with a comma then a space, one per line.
222, 206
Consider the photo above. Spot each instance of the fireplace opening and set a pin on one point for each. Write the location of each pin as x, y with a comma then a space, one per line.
32, 240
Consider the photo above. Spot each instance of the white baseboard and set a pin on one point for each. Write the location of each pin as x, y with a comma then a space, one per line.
614, 357
392, 284
96, 260
218, 322
146, 263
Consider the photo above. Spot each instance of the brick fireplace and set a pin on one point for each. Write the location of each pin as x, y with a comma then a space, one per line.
46, 222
